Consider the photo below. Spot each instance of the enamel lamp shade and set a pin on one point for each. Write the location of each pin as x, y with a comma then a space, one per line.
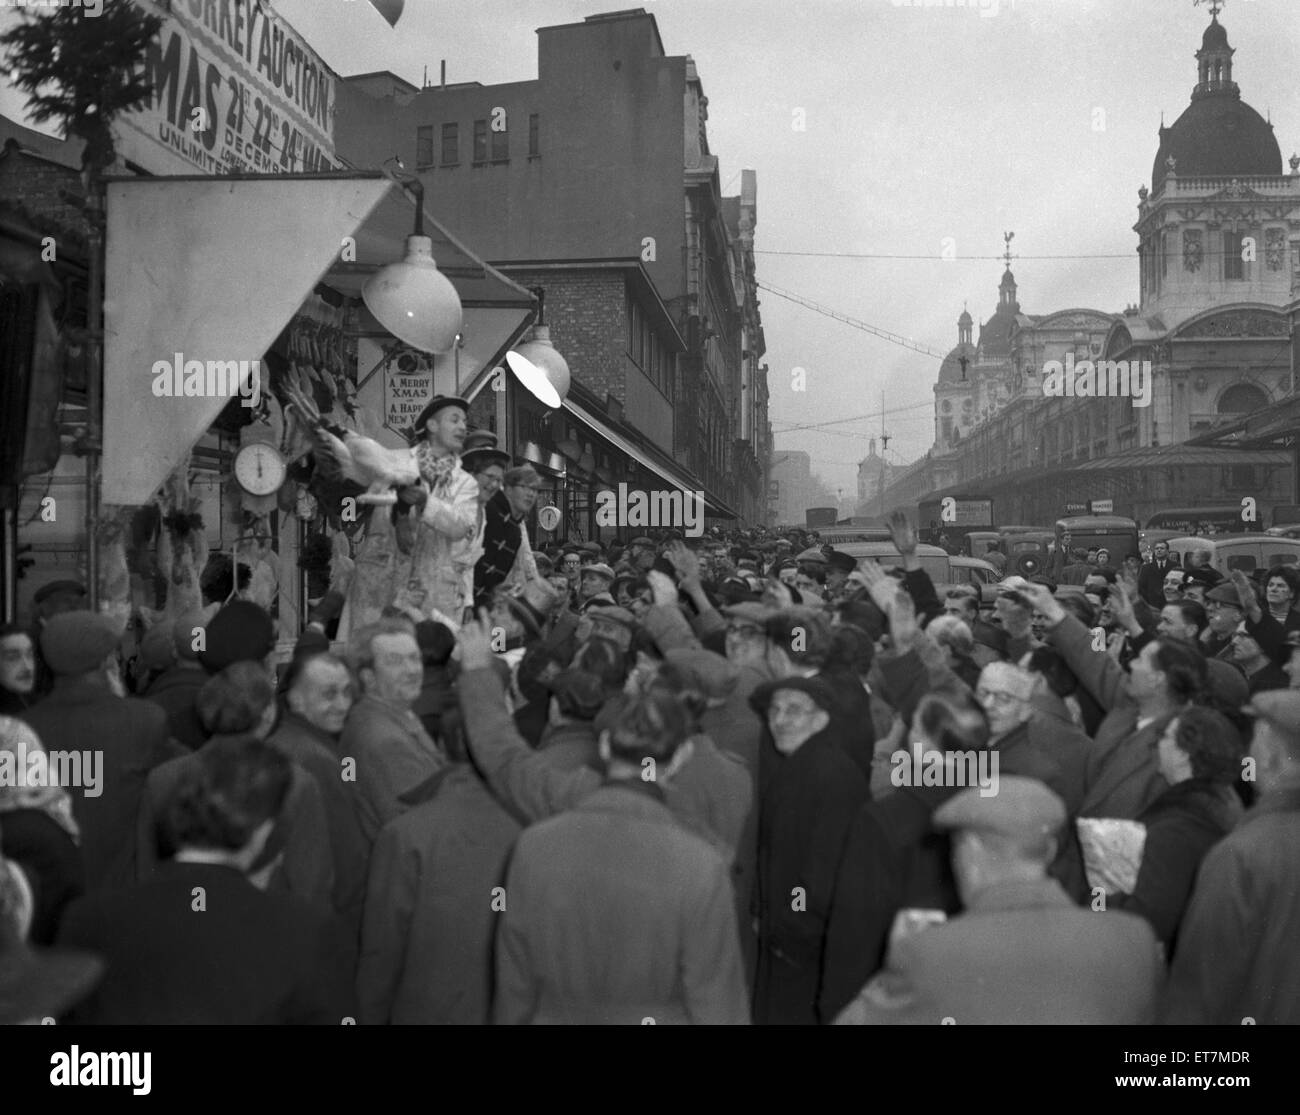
415, 301
540, 368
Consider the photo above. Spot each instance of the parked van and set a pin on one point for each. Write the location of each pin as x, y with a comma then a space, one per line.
1148, 538
1112, 532
933, 559
977, 542
1246, 552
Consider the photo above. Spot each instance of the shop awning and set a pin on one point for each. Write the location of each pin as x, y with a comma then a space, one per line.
712, 506
214, 268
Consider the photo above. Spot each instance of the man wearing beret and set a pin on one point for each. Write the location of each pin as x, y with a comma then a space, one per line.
1236, 961
87, 711
433, 580
1022, 952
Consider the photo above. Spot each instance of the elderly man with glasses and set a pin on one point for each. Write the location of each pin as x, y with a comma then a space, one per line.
507, 556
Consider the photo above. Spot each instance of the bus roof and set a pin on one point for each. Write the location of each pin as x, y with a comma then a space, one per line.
1096, 522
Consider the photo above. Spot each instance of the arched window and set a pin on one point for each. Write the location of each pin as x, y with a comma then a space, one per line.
1242, 398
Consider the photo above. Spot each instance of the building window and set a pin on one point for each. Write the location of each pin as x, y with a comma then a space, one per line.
480, 141
450, 144
1164, 254
500, 147
1233, 266
424, 146
534, 136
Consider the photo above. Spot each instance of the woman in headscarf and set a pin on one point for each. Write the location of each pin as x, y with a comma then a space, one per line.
37, 829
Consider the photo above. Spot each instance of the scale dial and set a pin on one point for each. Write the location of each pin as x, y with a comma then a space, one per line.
260, 469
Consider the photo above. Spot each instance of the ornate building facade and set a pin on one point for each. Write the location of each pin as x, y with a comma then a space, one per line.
1219, 265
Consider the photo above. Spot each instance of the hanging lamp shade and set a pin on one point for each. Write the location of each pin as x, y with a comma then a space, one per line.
540, 368
391, 10
415, 301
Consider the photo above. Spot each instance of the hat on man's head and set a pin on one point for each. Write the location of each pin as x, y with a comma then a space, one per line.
613, 614
77, 642
59, 588
842, 562
1224, 594
240, 632
527, 615
437, 403
600, 569
821, 692
712, 674
813, 554
641, 540
1279, 708
1021, 808
579, 692
480, 451
1226, 683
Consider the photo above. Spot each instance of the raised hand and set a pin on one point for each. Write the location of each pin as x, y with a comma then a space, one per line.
686, 562
665, 592
880, 584
900, 530
1043, 602
475, 642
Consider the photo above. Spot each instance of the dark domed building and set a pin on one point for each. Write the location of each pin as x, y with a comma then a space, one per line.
1208, 342
1218, 134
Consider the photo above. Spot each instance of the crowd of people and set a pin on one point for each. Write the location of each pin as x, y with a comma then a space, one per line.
665, 781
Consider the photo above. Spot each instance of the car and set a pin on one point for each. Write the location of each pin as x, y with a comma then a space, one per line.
1029, 551
933, 559
974, 571
1246, 552
1287, 530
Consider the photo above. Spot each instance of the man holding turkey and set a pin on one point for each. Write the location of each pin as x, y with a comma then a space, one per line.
433, 580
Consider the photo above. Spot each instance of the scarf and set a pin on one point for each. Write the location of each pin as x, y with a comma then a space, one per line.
19, 743
436, 471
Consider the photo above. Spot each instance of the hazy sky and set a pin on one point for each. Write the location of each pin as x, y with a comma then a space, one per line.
921, 123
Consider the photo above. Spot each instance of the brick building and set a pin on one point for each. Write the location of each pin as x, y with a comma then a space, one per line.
595, 182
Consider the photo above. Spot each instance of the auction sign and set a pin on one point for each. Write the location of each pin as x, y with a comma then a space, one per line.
235, 88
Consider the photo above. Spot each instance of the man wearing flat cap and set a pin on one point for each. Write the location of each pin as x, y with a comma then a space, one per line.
87, 712
503, 555
594, 584
434, 581
1236, 961
1021, 952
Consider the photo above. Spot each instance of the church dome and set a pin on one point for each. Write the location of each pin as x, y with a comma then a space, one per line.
950, 370
1218, 135
1215, 36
